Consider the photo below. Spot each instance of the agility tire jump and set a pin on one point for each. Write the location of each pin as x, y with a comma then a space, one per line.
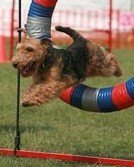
39, 18
83, 97
100, 100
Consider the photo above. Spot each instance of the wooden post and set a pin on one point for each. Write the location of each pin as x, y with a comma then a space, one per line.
12, 30
110, 24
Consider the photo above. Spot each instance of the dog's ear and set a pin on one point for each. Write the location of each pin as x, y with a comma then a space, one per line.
23, 30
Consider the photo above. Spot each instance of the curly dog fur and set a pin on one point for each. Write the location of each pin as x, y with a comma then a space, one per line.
54, 69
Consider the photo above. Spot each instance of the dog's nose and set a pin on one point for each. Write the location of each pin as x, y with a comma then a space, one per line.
14, 65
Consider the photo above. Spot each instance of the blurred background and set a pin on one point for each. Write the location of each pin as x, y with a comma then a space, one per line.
107, 22
58, 127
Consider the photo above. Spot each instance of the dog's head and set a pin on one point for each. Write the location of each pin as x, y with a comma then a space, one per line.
30, 54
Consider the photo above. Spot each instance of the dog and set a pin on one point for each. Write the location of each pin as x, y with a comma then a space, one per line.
54, 70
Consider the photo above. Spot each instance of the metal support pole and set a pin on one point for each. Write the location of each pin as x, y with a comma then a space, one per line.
17, 138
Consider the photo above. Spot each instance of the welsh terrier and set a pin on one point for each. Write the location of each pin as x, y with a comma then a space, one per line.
54, 70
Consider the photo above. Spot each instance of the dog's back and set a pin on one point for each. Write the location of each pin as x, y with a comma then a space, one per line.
77, 54
79, 42
90, 52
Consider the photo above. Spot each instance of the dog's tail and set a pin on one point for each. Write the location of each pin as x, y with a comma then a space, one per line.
71, 32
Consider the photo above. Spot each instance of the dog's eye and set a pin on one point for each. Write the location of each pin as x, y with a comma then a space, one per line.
29, 49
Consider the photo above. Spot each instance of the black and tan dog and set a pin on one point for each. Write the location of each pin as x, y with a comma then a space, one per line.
56, 69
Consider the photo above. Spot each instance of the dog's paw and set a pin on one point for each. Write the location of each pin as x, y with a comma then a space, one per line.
26, 103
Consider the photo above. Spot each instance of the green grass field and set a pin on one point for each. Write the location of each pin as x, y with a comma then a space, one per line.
58, 127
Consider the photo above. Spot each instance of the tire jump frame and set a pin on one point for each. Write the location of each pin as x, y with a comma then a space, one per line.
81, 96
100, 100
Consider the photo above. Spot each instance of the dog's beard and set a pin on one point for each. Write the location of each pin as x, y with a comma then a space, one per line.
28, 69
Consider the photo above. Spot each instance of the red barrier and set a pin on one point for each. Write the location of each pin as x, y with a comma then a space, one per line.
67, 157
3, 57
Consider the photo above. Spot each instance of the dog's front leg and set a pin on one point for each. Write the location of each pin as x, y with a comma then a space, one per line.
42, 93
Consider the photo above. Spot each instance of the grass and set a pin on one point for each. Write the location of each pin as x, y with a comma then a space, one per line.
58, 127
